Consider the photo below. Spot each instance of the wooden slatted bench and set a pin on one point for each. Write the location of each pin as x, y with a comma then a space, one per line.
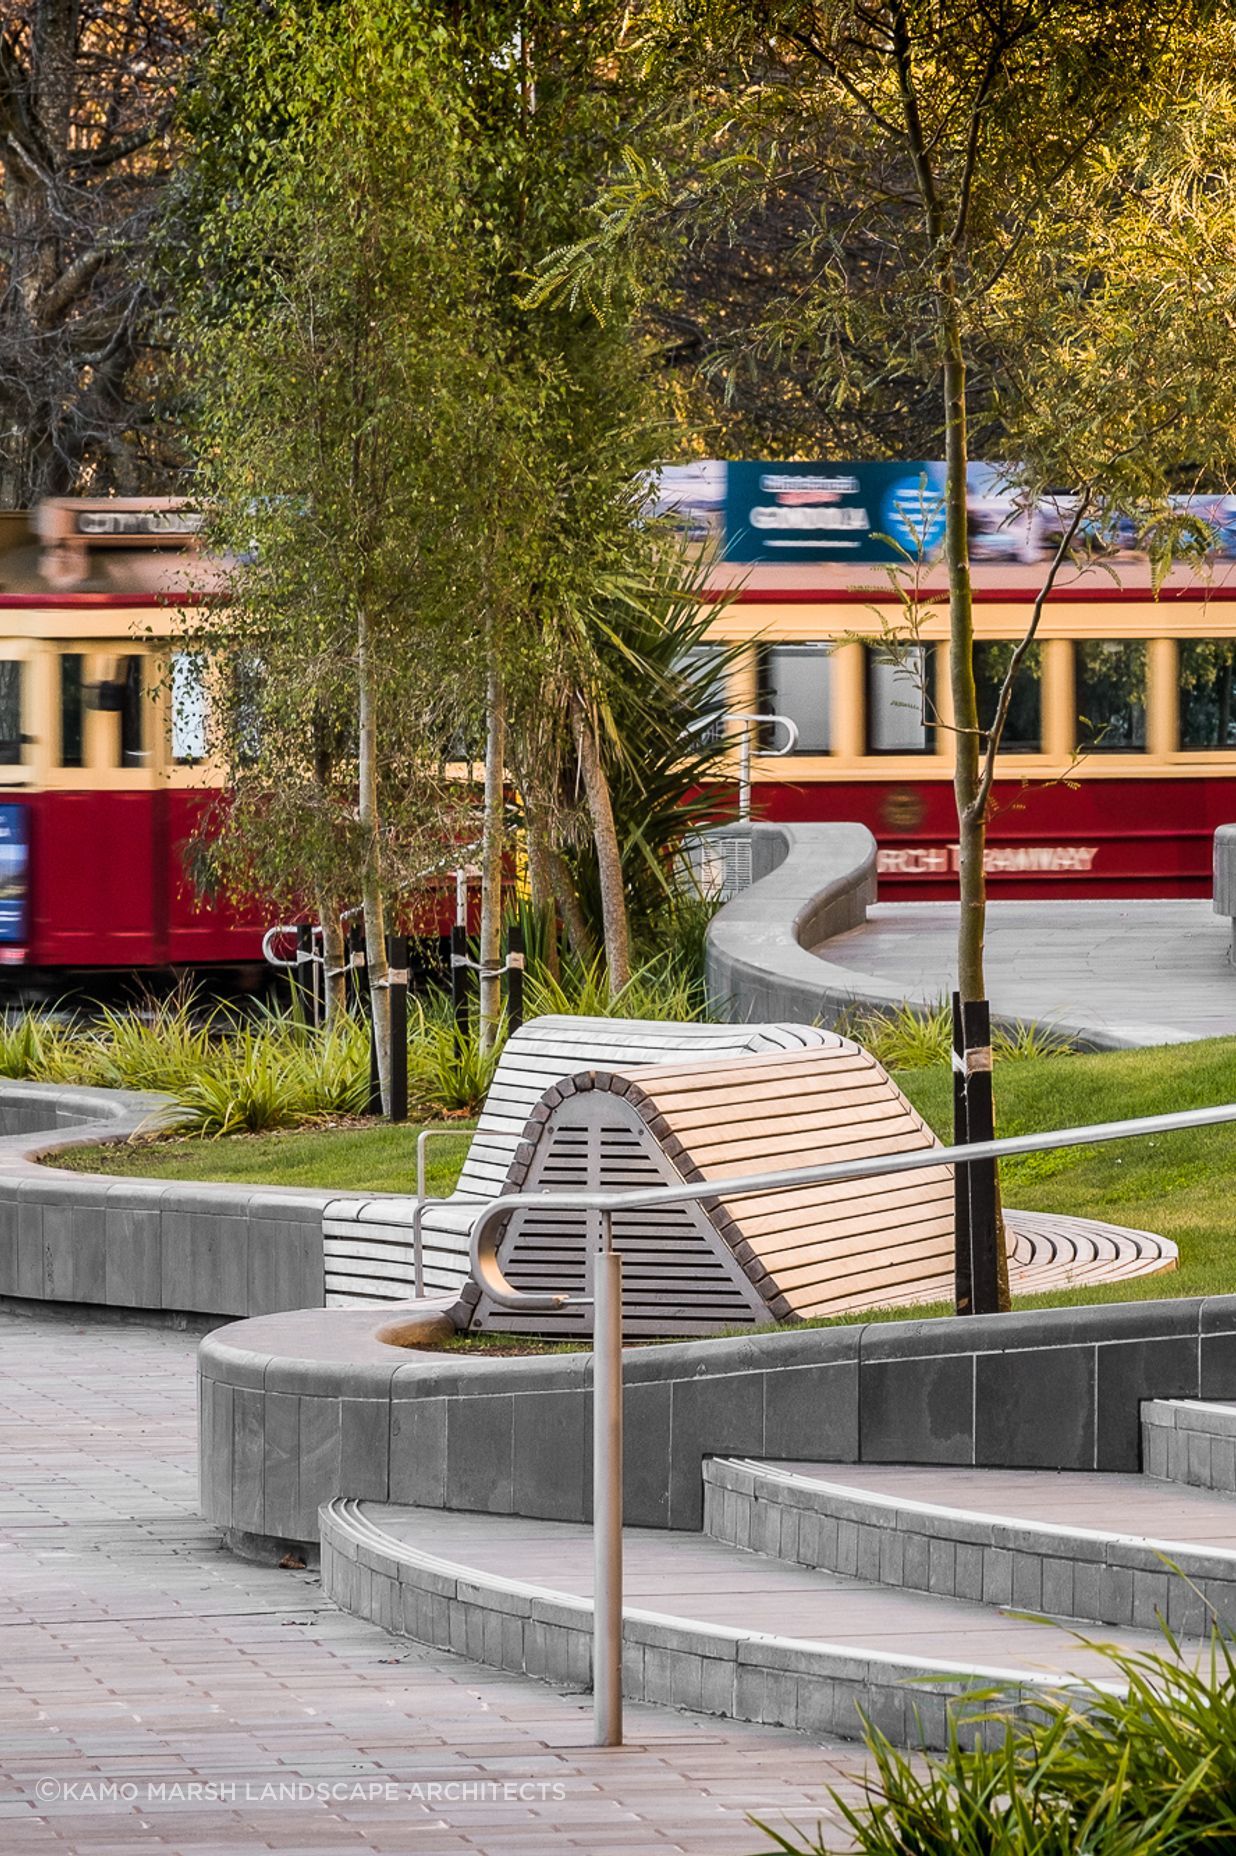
816, 1250
368, 1241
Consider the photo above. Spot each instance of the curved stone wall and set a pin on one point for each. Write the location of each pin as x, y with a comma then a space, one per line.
818, 881
1225, 876
297, 1409
141, 1243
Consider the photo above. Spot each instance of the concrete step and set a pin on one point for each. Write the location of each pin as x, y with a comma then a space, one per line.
1087, 1546
1190, 1441
706, 1627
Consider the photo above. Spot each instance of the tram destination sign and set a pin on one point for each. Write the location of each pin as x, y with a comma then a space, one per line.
998, 859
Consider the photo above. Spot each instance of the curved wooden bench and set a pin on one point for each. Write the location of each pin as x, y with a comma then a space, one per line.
817, 1250
368, 1241
1048, 1250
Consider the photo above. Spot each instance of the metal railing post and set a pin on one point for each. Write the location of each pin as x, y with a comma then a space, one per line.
305, 1000
397, 994
459, 982
607, 1491
514, 977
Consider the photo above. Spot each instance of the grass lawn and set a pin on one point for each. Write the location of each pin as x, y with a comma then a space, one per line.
351, 1158
1182, 1185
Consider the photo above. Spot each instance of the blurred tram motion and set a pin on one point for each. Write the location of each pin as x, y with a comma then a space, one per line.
100, 786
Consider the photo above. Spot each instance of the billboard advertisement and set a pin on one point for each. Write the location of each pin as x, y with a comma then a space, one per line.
893, 513
14, 876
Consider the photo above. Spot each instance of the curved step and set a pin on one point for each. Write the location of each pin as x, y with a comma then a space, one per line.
705, 1628
1190, 1441
1091, 1547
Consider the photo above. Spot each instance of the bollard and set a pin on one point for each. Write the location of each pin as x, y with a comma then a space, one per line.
963, 1292
980, 1126
514, 977
397, 993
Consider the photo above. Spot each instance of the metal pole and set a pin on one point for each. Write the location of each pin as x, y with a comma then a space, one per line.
397, 994
607, 1491
302, 999
459, 981
744, 774
461, 899
963, 1289
514, 977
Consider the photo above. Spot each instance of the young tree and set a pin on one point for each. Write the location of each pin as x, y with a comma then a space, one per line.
351, 437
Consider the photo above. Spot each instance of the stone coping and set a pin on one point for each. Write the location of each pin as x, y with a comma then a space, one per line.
1225, 870
1091, 1575
708, 1668
180, 1247
300, 1408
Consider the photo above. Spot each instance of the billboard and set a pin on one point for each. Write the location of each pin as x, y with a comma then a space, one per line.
894, 513
833, 512
14, 876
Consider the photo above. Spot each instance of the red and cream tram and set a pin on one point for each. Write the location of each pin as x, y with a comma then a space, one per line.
1120, 753
99, 790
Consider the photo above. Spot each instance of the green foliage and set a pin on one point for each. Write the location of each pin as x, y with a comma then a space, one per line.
906, 1038
659, 989
448, 1073
1143, 1764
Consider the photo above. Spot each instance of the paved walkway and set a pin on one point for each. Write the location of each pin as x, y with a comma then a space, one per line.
1141, 972
230, 1708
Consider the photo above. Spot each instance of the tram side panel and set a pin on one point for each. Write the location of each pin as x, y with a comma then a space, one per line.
1101, 838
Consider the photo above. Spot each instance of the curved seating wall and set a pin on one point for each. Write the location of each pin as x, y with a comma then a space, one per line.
141, 1243
819, 881
300, 1408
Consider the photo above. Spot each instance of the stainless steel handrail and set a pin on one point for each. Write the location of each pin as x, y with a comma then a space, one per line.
607, 1321
486, 1235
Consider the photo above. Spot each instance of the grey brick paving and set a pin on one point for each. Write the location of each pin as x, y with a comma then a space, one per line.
135, 1652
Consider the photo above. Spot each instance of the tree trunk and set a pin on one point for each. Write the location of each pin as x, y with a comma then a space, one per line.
570, 908
371, 868
609, 859
971, 803
492, 845
541, 883
971, 819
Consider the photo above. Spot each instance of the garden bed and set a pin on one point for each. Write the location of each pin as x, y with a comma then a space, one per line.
1181, 1185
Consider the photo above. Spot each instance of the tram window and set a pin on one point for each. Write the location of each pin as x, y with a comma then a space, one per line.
1111, 695
132, 749
72, 696
10, 713
1208, 693
188, 708
702, 669
795, 681
899, 700
1023, 728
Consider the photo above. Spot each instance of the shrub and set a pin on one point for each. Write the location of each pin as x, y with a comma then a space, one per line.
1144, 1765
904, 1038
659, 989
